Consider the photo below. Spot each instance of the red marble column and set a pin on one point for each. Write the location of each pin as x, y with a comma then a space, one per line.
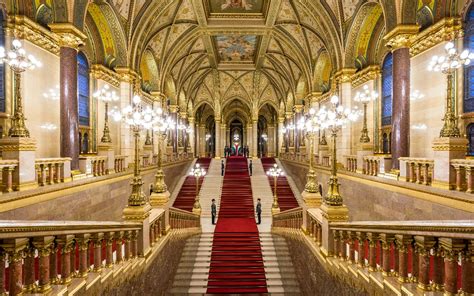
401, 106
109, 254
83, 251
423, 268
415, 264
438, 268
44, 272
2, 272
402, 262
351, 249
372, 252
16, 273
451, 274
67, 246
467, 278
361, 249
386, 258
98, 254
128, 241
134, 244
29, 270
119, 243
69, 117
53, 265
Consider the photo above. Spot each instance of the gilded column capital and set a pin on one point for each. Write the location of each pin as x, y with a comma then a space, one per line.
43, 244
400, 36
127, 74
183, 114
344, 75
298, 108
69, 35
289, 115
191, 120
101, 72
174, 108
281, 120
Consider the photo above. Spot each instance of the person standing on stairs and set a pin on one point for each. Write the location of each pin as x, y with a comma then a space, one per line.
259, 212
213, 211
250, 167
222, 167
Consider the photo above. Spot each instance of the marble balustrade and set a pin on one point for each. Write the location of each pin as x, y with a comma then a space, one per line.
351, 163
53, 170
417, 170
180, 219
7, 167
464, 169
384, 247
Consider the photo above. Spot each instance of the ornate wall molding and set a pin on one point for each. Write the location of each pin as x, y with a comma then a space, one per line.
367, 74
102, 73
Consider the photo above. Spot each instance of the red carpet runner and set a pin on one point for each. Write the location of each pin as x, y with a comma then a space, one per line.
187, 193
236, 259
286, 198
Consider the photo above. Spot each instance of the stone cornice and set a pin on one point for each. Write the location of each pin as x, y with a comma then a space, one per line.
401, 36
445, 30
127, 74
22, 27
101, 72
69, 35
344, 75
367, 74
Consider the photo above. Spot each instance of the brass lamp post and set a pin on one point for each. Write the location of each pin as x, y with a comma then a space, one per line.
365, 97
137, 118
275, 172
197, 172
448, 64
160, 194
333, 120
105, 95
311, 194
19, 62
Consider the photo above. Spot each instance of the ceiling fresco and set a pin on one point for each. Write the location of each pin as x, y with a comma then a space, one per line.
236, 48
218, 8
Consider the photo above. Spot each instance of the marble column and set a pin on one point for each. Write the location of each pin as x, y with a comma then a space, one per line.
174, 130
202, 140
401, 106
344, 145
399, 41
69, 116
223, 138
254, 138
218, 138
299, 141
271, 141
280, 148
249, 137
191, 137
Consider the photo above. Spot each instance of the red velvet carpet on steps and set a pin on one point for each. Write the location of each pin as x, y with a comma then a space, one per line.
236, 259
286, 198
187, 194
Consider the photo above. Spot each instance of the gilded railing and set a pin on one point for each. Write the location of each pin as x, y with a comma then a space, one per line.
351, 163
157, 225
416, 170
426, 253
180, 219
292, 218
32, 251
53, 170
464, 169
7, 167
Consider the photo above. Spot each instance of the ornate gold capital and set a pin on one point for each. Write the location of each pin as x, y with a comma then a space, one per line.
127, 74
69, 35
344, 75
298, 108
101, 72
400, 37
289, 115
445, 30
367, 74
174, 108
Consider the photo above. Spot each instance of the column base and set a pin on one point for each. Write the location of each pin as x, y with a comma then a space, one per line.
159, 198
136, 213
312, 200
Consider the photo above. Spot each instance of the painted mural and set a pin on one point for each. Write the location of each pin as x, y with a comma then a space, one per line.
235, 6
236, 48
122, 6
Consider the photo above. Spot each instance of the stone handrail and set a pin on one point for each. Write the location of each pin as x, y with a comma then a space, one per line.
53, 170
351, 163
7, 167
464, 174
416, 170
292, 218
432, 245
24, 243
119, 163
93, 165
180, 219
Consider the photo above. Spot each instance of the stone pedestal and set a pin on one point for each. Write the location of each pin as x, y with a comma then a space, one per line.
23, 150
363, 150
159, 199
331, 214
312, 200
140, 214
107, 149
445, 150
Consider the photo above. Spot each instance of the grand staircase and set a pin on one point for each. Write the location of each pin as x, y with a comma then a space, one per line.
192, 276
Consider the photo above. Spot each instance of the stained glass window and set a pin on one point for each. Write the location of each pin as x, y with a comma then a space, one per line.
2, 67
387, 90
83, 89
468, 105
470, 137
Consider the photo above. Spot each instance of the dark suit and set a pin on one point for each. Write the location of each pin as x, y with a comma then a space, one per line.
250, 168
259, 213
213, 213
222, 168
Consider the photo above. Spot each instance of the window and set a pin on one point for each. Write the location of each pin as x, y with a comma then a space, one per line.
387, 90
2, 67
470, 137
83, 89
468, 103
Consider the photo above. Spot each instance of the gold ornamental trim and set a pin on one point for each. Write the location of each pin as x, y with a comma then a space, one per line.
127, 75
367, 74
401, 36
101, 72
18, 147
22, 27
446, 29
449, 148
69, 35
344, 75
